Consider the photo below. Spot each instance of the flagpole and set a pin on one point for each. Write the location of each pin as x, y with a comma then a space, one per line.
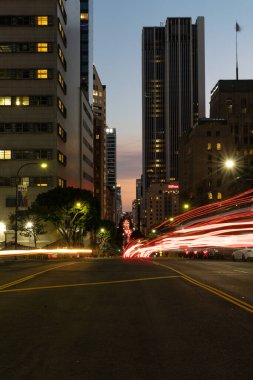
236, 52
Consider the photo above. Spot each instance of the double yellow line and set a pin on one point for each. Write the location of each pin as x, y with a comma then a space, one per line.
23, 279
236, 301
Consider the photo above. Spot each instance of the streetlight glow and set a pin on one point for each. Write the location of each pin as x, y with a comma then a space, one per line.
43, 165
229, 164
29, 225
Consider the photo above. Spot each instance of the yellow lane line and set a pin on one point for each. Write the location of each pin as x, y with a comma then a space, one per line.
236, 301
88, 284
23, 279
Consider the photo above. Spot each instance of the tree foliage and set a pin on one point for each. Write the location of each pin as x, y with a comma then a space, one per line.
72, 211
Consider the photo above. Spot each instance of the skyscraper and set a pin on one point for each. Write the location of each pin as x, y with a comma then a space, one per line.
173, 93
86, 47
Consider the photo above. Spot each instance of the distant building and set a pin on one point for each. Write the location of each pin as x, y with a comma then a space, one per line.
111, 163
99, 110
162, 203
86, 47
205, 149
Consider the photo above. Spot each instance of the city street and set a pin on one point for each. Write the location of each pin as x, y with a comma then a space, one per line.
126, 319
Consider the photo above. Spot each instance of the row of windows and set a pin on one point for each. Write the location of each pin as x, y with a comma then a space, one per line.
26, 47
26, 20
26, 74
218, 146
33, 154
211, 195
26, 100
26, 127
28, 181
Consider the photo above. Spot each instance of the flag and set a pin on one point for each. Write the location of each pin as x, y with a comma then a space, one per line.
237, 27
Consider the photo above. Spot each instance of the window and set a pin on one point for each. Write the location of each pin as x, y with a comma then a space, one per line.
62, 58
42, 74
62, 108
61, 132
42, 20
218, 146
219, 196
209, 146
62, 33
61, 158
22, 101
62, 83
63, 12
5, 154
42, 47
84, 16
210, 195
5, 100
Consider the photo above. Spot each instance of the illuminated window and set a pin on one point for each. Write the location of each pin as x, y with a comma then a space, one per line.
209, 146
97, 137
219, 196
61, 82
210, 195
62, 58
5, 154
5, 100
42, 20
42, 47
84, 16
61, 182
61, 132
218, 146
42, 74
22, 101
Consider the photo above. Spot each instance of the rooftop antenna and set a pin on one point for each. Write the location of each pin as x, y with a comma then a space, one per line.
237, 29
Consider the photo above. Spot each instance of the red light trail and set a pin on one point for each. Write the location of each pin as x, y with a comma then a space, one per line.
228, 223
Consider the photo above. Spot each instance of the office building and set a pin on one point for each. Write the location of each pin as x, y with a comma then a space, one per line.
99, 111
173, 93
86, 47
42, 117
111, 167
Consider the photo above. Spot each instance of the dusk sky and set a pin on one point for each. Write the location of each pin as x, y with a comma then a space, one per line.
117, 56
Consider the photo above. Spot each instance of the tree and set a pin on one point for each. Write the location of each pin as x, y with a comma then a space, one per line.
29, 224
105, 234
72, 211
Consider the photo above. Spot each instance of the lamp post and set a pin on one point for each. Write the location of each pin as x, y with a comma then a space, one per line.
43, 165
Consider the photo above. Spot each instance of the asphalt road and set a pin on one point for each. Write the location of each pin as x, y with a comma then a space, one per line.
118, 319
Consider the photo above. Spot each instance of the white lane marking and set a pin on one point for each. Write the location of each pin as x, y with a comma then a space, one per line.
241, 271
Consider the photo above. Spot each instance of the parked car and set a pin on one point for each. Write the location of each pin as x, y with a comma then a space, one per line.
244, 254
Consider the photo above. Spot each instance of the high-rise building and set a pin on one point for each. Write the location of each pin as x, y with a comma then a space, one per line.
111, 168
40, 100
99, 111
173, 93
86, 47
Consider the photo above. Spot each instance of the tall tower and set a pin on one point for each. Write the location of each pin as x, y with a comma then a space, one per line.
173, 93
86, 47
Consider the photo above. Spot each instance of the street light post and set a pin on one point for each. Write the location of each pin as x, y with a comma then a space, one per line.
42, 165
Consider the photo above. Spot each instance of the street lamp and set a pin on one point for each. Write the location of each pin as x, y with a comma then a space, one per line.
229, 164
43, 165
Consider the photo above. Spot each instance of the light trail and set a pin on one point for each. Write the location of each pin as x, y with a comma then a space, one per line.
204, 227
60, 251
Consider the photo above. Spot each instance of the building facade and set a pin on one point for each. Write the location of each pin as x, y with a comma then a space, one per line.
99, 111
86, 47
173, 93
205, 150
40, 100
